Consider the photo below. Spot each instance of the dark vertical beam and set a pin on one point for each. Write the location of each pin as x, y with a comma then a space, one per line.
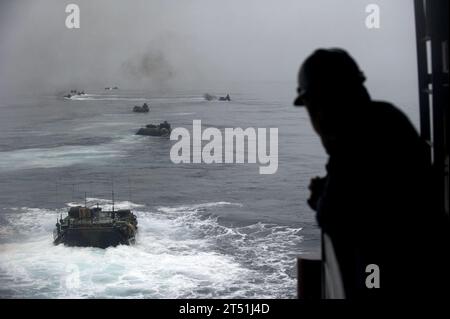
421, 38
432, 25
438, 19
309, 277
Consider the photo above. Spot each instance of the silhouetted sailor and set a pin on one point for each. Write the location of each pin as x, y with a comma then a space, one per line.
375, 201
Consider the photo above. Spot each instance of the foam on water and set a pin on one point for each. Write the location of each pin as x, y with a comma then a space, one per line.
181, 252
104, 97
111, 97
64, 155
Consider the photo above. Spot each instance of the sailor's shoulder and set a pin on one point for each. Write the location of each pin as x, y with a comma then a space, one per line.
390, 114
386, 108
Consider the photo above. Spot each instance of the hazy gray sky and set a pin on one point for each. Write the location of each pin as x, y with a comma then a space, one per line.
195, 43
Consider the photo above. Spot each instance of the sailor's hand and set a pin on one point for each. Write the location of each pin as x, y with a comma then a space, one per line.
316, 186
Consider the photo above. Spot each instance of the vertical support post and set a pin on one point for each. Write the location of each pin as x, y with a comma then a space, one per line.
424, 79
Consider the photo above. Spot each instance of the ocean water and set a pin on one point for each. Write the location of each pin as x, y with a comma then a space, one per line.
205, 231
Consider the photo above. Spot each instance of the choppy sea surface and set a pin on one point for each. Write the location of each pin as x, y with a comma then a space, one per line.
205, 231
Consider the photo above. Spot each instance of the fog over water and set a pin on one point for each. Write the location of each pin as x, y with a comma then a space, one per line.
185, 44
204, 230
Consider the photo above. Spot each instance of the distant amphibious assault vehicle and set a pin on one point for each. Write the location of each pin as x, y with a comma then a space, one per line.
92, 227
163, 129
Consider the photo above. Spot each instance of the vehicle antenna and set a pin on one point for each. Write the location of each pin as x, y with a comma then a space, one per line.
56, 194
129, 191
113, 201
112, 184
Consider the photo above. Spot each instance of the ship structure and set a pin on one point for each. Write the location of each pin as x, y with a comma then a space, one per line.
92, 227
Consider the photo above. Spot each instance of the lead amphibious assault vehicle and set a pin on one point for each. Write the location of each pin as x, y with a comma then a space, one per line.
92, 227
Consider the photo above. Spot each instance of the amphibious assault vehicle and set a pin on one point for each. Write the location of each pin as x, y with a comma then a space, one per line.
92, 227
